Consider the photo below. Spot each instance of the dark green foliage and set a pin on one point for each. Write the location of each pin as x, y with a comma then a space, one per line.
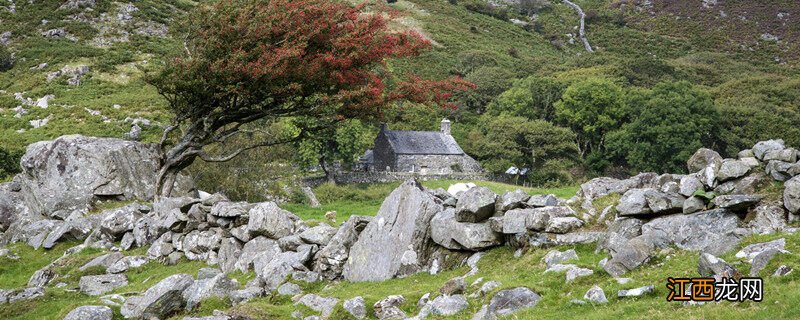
490, 82
504, 141
532, 97
9, 162
591, 108
668, 124
6, 60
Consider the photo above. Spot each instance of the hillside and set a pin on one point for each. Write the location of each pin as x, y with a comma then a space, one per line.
741, 53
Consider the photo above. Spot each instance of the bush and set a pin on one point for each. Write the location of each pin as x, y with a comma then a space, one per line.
6, 59
9, 163
490, 82
532, 97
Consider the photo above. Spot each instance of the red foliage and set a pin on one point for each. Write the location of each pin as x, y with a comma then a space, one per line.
284, 50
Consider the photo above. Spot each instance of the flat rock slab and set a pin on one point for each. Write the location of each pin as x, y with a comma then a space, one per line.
97, 285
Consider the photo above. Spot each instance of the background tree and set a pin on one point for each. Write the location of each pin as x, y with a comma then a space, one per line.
249, 60
489, 83
591, 108
532, 97
501, 142
668, 124
344, 143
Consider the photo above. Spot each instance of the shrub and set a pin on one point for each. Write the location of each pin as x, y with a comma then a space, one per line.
9, 162
6, 59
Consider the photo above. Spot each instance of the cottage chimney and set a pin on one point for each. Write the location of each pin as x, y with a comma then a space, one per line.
445, 126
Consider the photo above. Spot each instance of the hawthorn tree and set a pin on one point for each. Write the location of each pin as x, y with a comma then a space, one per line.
248, 61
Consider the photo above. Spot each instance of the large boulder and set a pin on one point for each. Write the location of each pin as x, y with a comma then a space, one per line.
97, 285
664, 203
72, 172
160, 300
732, 169
710, 231
269, 220
475, 205
791, 195
90, 313
512, 200
510, 301
634, 203
736, 202
763, 147
702, 159
210, 283
329, 261
768, 218
627, 254
451, 234
397, 241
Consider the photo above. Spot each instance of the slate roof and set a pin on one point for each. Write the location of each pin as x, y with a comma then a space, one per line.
422, 142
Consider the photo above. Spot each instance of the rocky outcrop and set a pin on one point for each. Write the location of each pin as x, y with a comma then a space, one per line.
397, 241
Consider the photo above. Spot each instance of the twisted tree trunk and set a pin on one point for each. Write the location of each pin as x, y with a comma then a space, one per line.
581, 30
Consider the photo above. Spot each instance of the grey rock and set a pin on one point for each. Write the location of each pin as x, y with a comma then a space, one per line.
329, 261
41, 277
696, 231
746, 153
127, 242
575, 273
596, 295
230, 209
736, 202
306, 276
218, 285
563, 225
259, 246
785, 155
104, 261
320, 234
634, 203
779, 170
72, 172
783, 270
451, 234
512, 200
445, 305
475, 205
246, 294
397, 241
636, 292
389, 308
90, 313
747, 185
199, 245
25, 294
762, 147
752, 162
693, 204
97, 285
791, 195
145, 231
664, 203
356, 307
580, 237
710, 266
269, 220
768, 218
68, 230
546, 200
289, 289
229, 252
160, 300
318, 303
510, 301
557, 257
161, 247
627, 254
702, 159
275, 270
732, 169
454, 286
751, 251
761, 260
126, 263
117, 222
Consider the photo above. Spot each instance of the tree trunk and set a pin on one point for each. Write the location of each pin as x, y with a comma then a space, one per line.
329, 174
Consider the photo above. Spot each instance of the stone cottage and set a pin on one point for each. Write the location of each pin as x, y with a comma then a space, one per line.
423, 152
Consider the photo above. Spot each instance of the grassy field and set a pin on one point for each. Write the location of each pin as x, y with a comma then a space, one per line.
366, 199
498, 264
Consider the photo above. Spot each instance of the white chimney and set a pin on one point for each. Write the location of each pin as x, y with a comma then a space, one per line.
445, 126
